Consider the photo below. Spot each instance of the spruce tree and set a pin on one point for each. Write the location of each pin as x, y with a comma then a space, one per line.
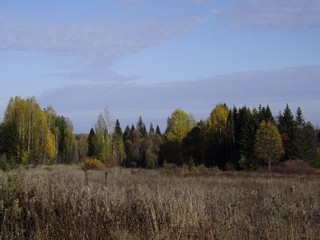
151, 129
91, 143
288, 130
158, 131
141, 126
117, 128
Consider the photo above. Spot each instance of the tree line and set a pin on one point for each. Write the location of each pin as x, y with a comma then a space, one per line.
237, 138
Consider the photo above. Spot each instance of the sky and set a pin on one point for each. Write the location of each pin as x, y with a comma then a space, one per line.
148, 57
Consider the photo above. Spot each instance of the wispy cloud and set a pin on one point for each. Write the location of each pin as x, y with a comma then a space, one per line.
107, 41
273, 14
156, 101
97, 45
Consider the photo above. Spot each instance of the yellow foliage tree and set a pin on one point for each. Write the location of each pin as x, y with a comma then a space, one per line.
218, 118
268, 143
35, 141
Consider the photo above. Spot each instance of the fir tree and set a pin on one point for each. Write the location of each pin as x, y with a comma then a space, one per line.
141, 126
288, 130
91, 143
117, 128
158, 131
151, 129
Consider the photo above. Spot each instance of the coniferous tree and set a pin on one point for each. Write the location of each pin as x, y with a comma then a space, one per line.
158, 131
117, 128
308, 148
245, 129
91, 143
127, 133
141, 126
288, 130
118, 147
151, 129
264, 114
300, 122
306, 144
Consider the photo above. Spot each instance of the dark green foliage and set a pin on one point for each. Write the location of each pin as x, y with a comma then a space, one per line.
141, 126
158, 131
151, 161
151, 129
194, 146
265, 114
117, 128
9, 141
91, 143
67, 151
288, 130
307, 149
245, 129
300, 122
4, 166
127, 133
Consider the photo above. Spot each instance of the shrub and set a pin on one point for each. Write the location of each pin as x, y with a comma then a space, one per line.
294, 167
4, 166
93, 164
151, 160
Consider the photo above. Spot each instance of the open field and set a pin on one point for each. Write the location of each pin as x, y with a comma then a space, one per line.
60, 202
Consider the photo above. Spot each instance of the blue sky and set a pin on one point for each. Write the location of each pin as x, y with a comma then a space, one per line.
148, 57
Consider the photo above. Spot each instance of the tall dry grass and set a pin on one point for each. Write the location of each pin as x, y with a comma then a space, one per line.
61, 202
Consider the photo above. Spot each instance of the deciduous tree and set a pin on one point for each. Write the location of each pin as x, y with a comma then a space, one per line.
268, 143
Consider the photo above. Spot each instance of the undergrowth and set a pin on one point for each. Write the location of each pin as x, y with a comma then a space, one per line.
146, 204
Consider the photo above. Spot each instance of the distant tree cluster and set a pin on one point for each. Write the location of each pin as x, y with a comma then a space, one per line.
237, 138
30, 135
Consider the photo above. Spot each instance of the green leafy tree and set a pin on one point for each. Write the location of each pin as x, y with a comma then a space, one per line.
151, 160
268, 143
134, 148
102, 140
82, 145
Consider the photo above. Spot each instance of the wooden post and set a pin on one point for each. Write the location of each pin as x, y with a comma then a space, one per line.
86, 177
106, 178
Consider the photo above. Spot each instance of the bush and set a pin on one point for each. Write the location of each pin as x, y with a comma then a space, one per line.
4, 166
93, 164
294, 167
151, 160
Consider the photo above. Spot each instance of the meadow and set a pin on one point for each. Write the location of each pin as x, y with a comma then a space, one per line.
64, 202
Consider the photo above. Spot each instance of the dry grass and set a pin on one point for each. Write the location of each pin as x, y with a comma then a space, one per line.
56, 203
